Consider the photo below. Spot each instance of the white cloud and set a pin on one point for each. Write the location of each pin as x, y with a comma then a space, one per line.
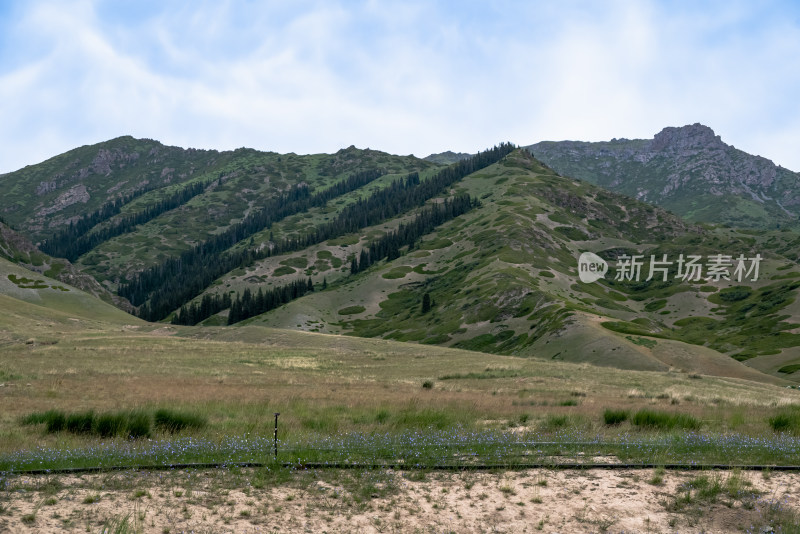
635, 70
401, 77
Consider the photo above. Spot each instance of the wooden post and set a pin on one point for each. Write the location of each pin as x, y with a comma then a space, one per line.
276, 435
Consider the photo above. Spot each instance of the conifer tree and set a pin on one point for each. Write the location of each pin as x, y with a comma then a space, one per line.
426, 303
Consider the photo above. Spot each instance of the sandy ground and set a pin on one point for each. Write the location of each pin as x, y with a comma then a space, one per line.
389, 501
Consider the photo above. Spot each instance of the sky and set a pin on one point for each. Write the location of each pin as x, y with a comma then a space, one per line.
404, 77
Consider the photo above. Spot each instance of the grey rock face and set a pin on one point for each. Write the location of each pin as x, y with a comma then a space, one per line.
72, 196
688, 170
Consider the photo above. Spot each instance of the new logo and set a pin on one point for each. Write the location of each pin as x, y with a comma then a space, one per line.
591, 267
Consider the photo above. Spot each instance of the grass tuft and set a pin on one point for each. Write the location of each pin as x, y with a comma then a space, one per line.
133, 425
615, 417
139, 425
55, 420
652, 419
80, 423
108, 425
788, 420
382, 416
172, 421
556, 421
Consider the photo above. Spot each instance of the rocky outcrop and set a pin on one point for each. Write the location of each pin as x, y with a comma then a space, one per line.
46, 187
73, 195
680, 141
688, 170
446, 158
106, 159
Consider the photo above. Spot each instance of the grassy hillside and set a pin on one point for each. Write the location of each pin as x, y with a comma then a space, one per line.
353, 397
347, 399
25, 294
351, 400
500, 276
44, 199
19, 250
503, 279
40, 198
254, 179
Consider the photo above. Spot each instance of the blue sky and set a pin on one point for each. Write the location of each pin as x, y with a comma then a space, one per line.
404, 77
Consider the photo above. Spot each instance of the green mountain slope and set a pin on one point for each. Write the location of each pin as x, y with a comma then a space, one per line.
41, 198
687, 170
480, 255
19, 250
141, 174
503, 279
29, 295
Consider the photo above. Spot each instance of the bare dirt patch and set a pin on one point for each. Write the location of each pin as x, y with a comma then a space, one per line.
259, 500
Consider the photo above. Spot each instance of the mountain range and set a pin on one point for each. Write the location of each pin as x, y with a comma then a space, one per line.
477, 252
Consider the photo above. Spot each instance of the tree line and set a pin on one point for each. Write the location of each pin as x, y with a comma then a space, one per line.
387, 247
83, 244
297, 200
76, 240
243, 306
249, 305
59, 244
161, 289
